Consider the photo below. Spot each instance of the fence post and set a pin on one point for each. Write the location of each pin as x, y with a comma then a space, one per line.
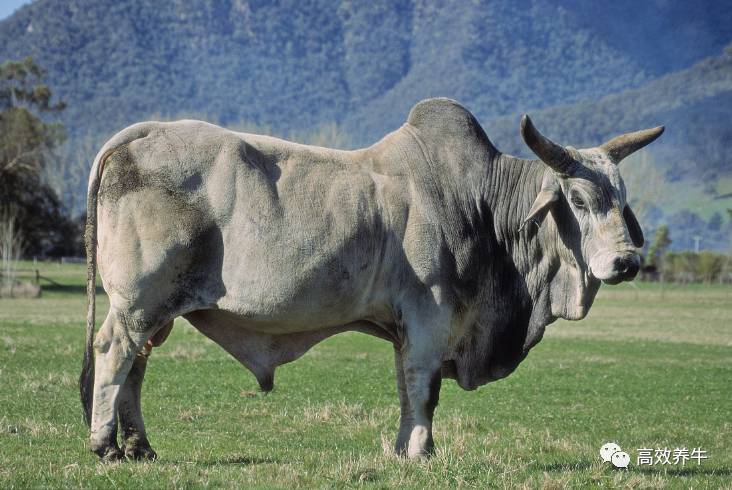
38, 277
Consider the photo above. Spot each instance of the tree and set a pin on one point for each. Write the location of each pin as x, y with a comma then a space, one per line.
25, 139
28, 139
11, 248
710, 266
657, 250
684, 266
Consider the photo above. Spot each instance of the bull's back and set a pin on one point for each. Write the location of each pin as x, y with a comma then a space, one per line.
193, 216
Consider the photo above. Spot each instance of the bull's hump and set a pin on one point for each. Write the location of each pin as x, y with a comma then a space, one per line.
429, 112
445, 118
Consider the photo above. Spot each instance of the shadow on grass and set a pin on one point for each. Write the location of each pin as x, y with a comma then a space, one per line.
659, 470
233, 461
68, 289
578, 465
684, 471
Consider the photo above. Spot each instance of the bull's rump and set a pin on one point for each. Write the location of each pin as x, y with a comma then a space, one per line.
286, 237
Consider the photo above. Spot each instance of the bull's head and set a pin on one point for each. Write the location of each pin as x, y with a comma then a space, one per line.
587, 196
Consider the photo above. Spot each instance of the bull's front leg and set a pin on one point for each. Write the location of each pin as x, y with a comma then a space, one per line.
405, 410
423, 389
418, 365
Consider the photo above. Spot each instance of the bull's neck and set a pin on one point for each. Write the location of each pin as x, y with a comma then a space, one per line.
512, 185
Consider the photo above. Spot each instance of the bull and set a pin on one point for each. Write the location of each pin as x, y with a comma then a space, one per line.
432, 239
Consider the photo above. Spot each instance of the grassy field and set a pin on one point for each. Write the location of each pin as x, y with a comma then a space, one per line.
650, 367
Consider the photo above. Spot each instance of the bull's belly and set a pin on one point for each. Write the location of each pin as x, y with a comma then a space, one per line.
280, 323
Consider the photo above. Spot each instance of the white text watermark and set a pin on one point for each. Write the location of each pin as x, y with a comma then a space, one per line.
612, 453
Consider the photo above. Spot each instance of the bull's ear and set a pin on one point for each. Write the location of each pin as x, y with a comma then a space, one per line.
636, 234
548, 195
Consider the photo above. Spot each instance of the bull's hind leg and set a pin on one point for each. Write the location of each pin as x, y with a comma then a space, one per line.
116, 345
135, 444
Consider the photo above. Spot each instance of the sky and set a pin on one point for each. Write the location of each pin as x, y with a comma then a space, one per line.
7, 7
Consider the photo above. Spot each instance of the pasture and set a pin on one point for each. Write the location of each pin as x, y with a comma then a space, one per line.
650, 367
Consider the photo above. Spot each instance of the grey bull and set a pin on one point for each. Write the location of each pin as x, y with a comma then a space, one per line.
431, 239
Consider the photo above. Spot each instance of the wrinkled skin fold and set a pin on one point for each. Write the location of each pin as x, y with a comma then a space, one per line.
431, 239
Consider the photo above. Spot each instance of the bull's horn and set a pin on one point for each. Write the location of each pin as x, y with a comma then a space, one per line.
554, 155
625, 144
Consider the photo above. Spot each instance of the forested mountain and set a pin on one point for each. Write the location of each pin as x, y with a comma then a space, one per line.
291, 64
586, 70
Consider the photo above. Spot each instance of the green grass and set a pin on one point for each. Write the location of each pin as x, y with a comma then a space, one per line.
650, 367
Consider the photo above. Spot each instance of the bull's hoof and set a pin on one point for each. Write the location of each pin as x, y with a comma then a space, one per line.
110, 454
400, 448
420, 454
140, 453
421, 445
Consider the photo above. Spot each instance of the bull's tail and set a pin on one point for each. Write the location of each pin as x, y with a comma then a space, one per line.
86, 380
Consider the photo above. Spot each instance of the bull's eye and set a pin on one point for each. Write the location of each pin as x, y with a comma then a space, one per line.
577, 201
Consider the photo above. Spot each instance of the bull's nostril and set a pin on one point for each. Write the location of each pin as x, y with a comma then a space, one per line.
632, 269
626, 267
620, 265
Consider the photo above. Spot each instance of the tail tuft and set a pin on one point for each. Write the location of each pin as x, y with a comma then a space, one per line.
86, 387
